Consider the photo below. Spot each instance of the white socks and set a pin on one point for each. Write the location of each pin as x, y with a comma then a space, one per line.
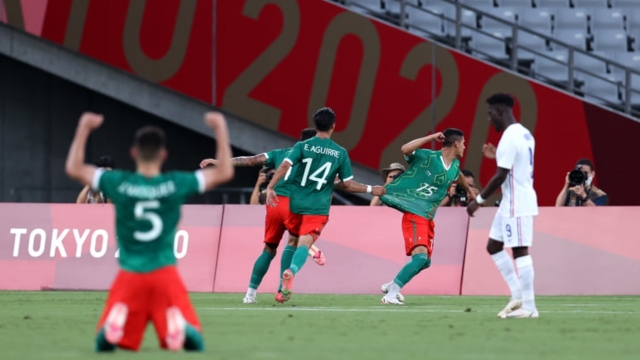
525, 270
505, 265
393, 289
251, 292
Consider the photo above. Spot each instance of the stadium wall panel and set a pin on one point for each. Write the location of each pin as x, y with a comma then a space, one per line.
576, 251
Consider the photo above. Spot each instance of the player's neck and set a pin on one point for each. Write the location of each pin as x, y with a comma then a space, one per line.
148, 170
323, 135
448, 156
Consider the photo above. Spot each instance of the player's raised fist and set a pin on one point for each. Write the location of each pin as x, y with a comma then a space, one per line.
215, 120
439, 137
91, 121
206, 162
489, 151
378, 190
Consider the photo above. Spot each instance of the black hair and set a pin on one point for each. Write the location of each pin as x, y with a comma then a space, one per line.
149, 140
585, 161
307, 134
501, 99
451, 135
106, 162
324, 118
467, 173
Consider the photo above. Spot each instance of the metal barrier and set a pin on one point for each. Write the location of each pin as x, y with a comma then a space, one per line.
458, 41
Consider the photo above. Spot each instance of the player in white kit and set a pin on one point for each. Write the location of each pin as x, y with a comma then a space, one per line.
513, 224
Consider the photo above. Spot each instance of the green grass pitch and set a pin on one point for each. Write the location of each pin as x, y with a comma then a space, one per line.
60, 325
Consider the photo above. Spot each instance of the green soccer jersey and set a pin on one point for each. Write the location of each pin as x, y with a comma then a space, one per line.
147, 213
423, 186
274, 159
312, 181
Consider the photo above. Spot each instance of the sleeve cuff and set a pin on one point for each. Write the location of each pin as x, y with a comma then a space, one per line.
289, 161
265, 155
347, 178
95, 183
201, 184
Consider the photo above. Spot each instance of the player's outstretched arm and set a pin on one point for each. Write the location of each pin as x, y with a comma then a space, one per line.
75, 166
256, 160
272, 198
223, 172
493, 185
356, 187
413, 145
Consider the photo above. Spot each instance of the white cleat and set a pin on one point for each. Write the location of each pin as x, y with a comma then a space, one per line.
385, 289
249, 300
523, 314
511, 306
114, 325
176, 329
390, 300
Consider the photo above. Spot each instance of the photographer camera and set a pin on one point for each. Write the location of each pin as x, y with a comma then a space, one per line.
259, 196
578, 188
457, 196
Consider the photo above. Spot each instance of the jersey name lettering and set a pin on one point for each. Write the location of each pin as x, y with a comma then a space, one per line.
322, 150
147, 191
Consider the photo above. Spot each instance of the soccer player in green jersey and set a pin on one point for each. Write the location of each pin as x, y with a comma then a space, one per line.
418, 193
274, 224
312, 184
147, 204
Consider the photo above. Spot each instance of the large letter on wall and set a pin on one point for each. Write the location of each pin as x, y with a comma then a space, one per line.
344, 24
418, 57
160, 69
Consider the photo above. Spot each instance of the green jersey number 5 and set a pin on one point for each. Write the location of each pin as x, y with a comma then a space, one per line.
323, 171
143, 211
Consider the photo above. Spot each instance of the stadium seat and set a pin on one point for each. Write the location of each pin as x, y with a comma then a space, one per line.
479, 4
605, 19
602, 91
490, 47
624, 4
552, 70
468, 17
610, 40
633, 20
632, 61
583, 62
491, 25
570, 19
557, 4
595, 4
429, 19
538, 19
526, 4
574, 38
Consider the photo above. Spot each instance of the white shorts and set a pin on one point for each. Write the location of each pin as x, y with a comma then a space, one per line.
512, 231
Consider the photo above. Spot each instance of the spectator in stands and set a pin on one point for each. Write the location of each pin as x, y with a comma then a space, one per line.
457, 197
90, 196
388, 175
582, 194
259, 196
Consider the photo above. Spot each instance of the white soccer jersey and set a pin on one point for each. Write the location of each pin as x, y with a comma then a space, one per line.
515, 152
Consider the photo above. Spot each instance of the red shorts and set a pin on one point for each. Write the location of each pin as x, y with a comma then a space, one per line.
148, 295
417, 231
302, 224
275, 221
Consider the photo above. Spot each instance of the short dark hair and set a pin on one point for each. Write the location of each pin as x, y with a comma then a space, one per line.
106, 162
585, 161
451, 135
307, 134
149, 140
467, 173
324, 118
501, 99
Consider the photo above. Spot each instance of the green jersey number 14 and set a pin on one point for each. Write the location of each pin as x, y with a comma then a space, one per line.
324, 169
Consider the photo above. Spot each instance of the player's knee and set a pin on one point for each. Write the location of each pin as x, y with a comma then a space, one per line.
426, 264
271, 248
494, 247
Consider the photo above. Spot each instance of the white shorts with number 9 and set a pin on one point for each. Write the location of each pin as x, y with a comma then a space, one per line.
512, 231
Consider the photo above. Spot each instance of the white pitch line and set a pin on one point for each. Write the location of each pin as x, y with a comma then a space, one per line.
400, 309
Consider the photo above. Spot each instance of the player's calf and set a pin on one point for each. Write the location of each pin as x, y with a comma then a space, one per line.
176, 329
114, 324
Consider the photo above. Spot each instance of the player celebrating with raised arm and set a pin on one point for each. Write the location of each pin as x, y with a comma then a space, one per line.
513, 223
147, 204
274, 224
417, 193
312, 186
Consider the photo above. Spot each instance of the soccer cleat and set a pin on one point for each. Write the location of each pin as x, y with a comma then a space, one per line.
390, 300
287, 284
385, 289
114, 325
279, 298
511, 306
522, 314
176, 329
249, 300
317, 255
